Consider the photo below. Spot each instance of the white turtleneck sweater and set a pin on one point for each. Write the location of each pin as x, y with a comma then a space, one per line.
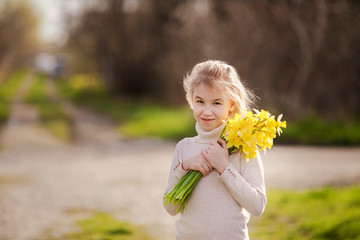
219, 205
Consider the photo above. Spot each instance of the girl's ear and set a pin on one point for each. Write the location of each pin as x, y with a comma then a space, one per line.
232, 107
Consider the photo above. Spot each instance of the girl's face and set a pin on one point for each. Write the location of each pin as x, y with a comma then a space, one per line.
210, 106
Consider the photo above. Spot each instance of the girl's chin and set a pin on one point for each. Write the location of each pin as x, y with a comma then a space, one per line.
208, 126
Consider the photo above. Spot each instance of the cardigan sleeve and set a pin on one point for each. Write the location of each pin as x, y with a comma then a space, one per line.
247, 188
176, 173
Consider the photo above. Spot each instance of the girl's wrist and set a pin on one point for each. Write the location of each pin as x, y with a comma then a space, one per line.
183, 167
223, 166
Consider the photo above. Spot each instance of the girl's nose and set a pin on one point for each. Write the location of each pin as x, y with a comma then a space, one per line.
207, 111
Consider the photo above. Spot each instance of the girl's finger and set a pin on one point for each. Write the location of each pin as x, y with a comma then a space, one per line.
223, 143
208, 165
202, 170
205, 168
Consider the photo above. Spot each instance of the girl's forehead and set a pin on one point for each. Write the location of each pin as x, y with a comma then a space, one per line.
209, 91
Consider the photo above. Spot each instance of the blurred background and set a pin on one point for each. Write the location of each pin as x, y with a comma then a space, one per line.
95, 71
301, 58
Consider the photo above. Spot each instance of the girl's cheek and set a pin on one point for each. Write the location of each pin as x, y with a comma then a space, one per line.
197, 109
196, 112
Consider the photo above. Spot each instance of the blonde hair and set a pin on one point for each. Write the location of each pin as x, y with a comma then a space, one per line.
219, 74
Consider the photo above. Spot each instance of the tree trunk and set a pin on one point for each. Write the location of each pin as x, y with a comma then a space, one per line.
309, 48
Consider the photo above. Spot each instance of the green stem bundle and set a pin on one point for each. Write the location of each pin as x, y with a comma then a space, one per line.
182, 190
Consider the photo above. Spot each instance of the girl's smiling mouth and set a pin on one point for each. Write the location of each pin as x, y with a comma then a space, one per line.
207, 119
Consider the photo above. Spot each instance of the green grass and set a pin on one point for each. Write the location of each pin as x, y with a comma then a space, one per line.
327, 213
6, 180
134, 119
8, 89
323, 214
51, 113
139, 119
318, 131
102, 226
165, 123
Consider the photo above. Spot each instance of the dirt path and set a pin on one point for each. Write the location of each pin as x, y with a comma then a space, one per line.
46, 184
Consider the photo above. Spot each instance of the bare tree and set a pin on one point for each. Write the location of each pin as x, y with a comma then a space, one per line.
17, 30
310, 37
299, 56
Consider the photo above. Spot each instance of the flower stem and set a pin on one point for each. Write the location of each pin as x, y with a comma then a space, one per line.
182, 190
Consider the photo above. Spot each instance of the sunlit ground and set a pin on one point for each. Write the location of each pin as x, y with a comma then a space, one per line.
92, 185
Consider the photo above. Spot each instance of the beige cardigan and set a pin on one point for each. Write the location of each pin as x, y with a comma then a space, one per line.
219, 205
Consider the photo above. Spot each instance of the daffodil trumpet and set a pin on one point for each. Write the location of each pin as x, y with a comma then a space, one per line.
249, 135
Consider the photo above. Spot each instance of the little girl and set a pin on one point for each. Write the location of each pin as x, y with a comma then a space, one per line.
230, 188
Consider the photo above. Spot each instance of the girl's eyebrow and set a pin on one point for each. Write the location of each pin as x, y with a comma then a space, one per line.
215, 100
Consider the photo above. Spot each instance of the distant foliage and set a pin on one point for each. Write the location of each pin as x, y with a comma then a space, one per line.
300, 57
8, 90
17, 35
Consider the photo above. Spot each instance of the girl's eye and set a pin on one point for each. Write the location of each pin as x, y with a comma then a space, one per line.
200, 101
217, 103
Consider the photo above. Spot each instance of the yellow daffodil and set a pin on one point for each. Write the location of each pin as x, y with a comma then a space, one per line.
253, 132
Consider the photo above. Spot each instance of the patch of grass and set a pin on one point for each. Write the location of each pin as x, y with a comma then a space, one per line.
138, 119
4, 180
165, 123
51, 113
315, 130
102, 226
8, 89
327, 213
134, 119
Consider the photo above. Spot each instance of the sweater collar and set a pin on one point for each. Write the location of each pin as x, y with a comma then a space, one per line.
206, 136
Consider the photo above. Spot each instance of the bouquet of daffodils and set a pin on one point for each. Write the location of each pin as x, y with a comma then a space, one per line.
249, 134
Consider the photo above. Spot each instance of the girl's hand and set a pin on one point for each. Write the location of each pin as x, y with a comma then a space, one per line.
197, 163
217, 156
